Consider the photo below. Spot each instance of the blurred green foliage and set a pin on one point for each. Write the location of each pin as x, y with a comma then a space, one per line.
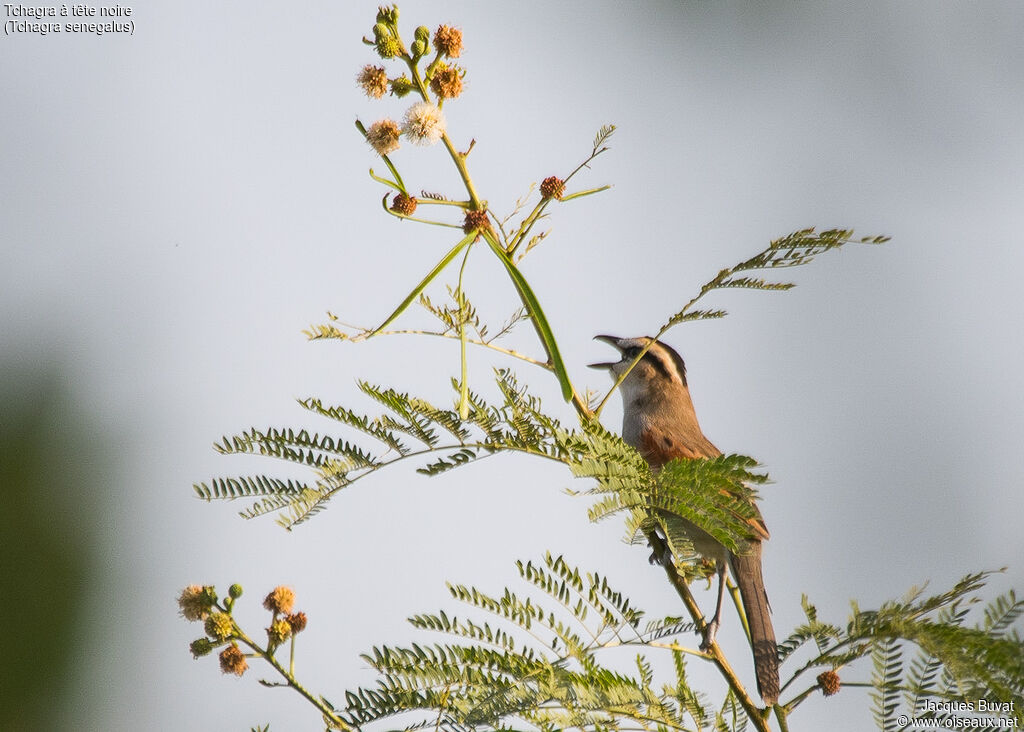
48, 471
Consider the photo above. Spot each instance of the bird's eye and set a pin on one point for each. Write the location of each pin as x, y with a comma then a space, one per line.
632, 352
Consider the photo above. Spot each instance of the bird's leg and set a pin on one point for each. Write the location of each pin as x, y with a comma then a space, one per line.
660, 553
711, 629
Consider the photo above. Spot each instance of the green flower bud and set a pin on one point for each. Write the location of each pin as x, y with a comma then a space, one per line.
419, 48
388, 47
400, 86
386, 14
200, 647
423, 33
235, 591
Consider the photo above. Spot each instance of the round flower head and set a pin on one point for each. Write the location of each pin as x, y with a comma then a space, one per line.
232, 660
200, 647
404, 205
280, 600
552, 187
279, 631
829, 682
297, 621
448, 41
219, 626
400, 86
383, 136
195, 601
475, 221
374, 80
386, 44
423, 124
447, 82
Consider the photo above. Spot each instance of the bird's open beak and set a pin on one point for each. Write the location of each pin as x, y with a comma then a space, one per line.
611, 341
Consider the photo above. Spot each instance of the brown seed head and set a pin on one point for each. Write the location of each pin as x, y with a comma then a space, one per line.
476, 221
232, 660
297, 621
447, 82
552, 187
829, 682
373, 80
404, 205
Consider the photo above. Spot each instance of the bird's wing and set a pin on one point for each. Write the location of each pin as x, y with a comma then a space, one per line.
658, 449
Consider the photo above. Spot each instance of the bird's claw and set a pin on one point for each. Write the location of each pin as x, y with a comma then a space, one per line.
710, 631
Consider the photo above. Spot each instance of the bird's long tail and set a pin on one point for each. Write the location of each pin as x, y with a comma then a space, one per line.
746, 569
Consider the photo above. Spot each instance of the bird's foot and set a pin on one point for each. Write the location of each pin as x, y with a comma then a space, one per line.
663, 559
710, 631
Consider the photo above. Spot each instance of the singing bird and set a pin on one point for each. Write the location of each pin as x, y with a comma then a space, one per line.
660, 423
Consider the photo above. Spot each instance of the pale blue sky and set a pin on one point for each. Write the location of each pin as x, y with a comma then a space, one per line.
179, 204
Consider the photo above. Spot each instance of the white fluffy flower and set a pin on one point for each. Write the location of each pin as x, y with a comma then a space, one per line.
383, 136
423, 124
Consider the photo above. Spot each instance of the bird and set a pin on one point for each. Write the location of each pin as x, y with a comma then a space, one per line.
659, 421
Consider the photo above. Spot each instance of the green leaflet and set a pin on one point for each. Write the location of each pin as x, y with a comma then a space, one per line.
438, 268
540, 321
581, 194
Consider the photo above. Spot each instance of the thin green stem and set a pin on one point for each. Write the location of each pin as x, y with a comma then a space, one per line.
441, 202
734, 592
782, 714
464, 381
526, 226
289, 677
403, 217
472, 341
817, 660
460, 163
681, 649
795, 701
